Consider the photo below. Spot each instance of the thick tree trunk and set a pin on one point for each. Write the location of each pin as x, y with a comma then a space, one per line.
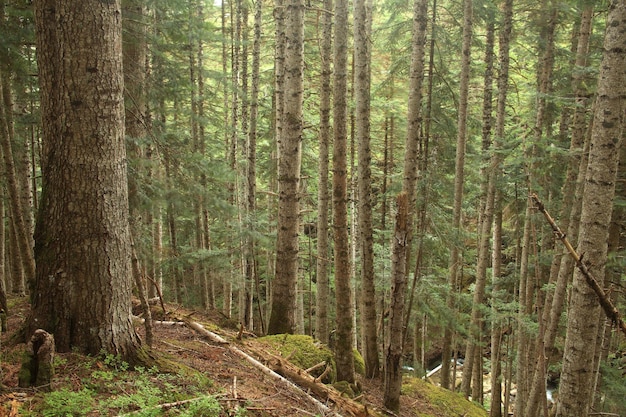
84, 276
282, 319
575, 389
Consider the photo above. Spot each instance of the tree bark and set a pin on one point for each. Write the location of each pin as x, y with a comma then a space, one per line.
343, 295
322, 263
459, 179
23, 236
575, 389
503, 84
362, 81
393, 356
572, 189
282, 319
84, 276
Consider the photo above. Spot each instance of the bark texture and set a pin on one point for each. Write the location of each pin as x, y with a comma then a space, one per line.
282, 319
576, 387
323, 288
362, 81
84, 277
344, 356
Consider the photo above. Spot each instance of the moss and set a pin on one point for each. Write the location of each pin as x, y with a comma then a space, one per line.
303, 351
442, 402
345, 388
359, 363
25, 375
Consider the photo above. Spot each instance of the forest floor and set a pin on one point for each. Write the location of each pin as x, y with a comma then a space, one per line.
105, 386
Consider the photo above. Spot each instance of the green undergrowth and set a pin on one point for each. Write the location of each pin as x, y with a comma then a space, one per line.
440, 401
107, 386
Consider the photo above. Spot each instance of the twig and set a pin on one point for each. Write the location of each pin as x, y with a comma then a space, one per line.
314, 367
609, 308
326, 371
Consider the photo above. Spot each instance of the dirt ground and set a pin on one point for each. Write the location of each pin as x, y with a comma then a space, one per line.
235, 379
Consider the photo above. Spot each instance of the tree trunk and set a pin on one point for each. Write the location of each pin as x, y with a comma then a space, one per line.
251, 264
84, 275
459, 175
23, 236
323, 287
393, 357
488, 190
503, 84
362, 81
343, 347
572, 189
282, 319
575, 390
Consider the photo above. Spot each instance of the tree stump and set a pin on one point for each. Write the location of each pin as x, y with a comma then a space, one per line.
37, 367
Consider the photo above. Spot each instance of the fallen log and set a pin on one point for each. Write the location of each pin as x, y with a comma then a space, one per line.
323, 408
308, 382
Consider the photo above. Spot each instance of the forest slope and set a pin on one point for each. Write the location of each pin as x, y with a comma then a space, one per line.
211, 380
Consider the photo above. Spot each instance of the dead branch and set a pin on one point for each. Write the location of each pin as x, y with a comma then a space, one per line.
325, 392
323, 375
607, 305
314, 367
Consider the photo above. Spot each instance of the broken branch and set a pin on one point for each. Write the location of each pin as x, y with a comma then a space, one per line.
607, 305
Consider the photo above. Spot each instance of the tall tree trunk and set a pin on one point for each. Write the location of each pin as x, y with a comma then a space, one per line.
488, 190
459, 179
572, 190
576, 390
84, 276
525, 358
503, 84
323, 286
343, 349
251, 263
362, 81
404, 218
282, 319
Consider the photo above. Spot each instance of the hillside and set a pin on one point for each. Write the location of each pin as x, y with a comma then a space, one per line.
210, 378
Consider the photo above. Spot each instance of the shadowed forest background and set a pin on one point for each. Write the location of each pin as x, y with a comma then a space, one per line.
359, 172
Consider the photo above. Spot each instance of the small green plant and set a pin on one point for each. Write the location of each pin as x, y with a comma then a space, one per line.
206, 407
66, 403
114, 361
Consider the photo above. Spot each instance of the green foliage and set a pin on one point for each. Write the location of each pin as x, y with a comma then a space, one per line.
67, 403
110, 386
206, 407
